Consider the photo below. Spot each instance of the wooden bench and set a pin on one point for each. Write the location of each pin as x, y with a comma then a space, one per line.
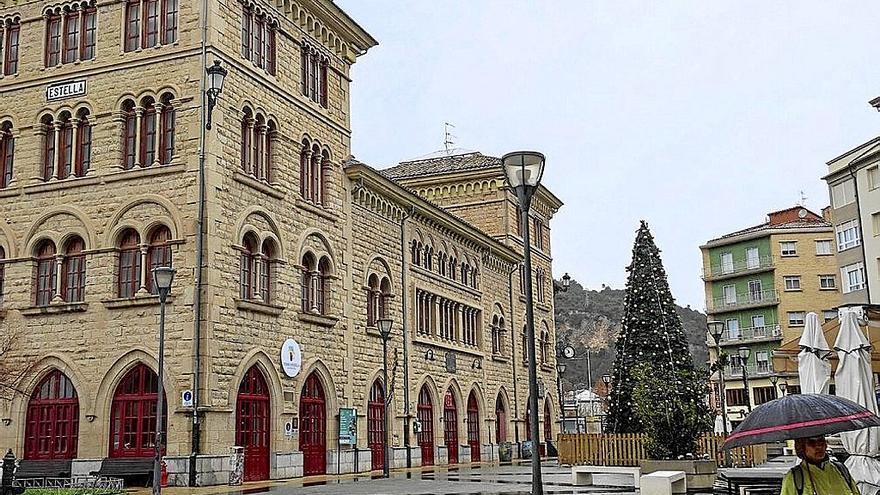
43, 468
664, 483
583, 475
138, 469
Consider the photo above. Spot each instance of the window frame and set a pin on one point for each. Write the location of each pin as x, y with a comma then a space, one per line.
825, 277
11, 33
845, 271
825, 242
793, 320
792, 283
842, 229
783, 251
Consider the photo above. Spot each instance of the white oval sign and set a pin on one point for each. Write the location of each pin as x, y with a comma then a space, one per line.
291, 358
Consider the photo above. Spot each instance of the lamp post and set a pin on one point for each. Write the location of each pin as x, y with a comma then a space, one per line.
606, 379
216, 78
744, 353
163, 276
523, 170
560, 369
716, 330
783, 386
384, 325
773, 381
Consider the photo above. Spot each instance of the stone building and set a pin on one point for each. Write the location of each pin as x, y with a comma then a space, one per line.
276, 233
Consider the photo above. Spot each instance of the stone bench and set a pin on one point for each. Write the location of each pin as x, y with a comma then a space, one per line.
664, 483
583, 475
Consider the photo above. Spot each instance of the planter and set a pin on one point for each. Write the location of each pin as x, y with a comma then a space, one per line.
700, 473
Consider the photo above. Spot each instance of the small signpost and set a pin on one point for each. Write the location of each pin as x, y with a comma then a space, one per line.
347, 426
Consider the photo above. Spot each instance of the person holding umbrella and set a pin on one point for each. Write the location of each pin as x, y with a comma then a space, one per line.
817, 474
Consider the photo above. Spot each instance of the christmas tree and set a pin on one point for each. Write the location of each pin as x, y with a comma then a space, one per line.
654, 386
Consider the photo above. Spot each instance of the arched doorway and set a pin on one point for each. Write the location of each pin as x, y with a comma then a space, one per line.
426, 420
548, 426
376, 425
450, 426
133, 414
473, 427
500, 421
52, 427
313, 427
252, 424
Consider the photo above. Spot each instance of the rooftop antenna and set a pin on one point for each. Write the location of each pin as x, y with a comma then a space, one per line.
803, 199
447, 141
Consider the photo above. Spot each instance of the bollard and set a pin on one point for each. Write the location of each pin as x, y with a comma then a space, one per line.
8, 478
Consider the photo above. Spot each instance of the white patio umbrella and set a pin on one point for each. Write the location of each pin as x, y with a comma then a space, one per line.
854, 380
814, 370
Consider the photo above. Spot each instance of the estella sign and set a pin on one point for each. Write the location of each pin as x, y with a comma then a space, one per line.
67, 89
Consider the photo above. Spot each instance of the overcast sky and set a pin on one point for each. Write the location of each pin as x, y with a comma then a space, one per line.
699, 117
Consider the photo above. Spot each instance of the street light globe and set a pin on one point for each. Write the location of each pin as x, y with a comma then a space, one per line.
566, 281
523, 168
744, 353
606, 379
716, 329
560, 367
163, 276
384, 325
216, 77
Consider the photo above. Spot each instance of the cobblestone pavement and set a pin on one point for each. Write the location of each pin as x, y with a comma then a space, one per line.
487, 479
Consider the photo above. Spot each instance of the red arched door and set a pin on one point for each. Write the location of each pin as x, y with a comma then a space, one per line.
426, 419
133, 414
52, 427
548, 426
376, 425
252, 424
473, 427
313, 427
500, 421
450, 426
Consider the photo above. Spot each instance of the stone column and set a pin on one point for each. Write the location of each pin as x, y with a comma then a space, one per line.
313, 283
57, 168
145, 271
157, 142
59, 261
260, 153
249, 153
258, 276
138, 120
74, 148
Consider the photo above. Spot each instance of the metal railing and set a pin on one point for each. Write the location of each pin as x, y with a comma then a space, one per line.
90, 482
744, 300
737, 267
754, 369
750, 333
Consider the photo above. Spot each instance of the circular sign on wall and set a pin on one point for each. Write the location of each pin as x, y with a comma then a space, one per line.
291, 358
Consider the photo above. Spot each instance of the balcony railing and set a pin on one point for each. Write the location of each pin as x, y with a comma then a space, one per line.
744, 300
754, 369
737, 267
736, 336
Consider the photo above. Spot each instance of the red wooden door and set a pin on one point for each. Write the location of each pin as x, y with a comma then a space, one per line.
376, 425
548, 426
252, 425
52, 428
500, 421
426, 419
450, 427
133, 414
313, 427
473, 427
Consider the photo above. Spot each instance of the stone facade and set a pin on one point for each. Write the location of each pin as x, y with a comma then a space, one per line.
363, 224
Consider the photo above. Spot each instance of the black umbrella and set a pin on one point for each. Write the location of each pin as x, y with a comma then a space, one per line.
800, 416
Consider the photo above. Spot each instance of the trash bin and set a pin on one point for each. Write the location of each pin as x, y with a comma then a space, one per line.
505, 452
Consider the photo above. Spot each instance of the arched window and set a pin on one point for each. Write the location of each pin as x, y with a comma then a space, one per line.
315, 174
441, 263
372, 300
52, 428
269, 152
384, 297
12, 29
453, 273
525, 345
133, 414
129, 135
474, 273
7, 153
496, 335
540, 283
46, 273
267, 255
324, 173
168, 120
158, 254
129, 279
73, 270
305, 170
416, 252
428, 260
83, 160
149, 133
322, 296
2, 271
47, 128
247, 143
148, 24
545, 346
309, 269
248, 269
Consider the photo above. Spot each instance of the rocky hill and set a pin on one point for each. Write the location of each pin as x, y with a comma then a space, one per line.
590, 319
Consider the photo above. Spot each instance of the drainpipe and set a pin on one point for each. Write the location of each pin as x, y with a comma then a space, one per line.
195, 439
513, 358
403, 298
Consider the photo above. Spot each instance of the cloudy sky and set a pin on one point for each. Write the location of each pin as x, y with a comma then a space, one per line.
697, 116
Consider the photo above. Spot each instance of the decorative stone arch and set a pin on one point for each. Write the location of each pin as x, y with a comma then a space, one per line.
315, 241
331, 403
379, 266
243, 226
258, 358
85, 230
482, 409
171, 219
101, 405
508, 412
436, 398
376, 374
8, 241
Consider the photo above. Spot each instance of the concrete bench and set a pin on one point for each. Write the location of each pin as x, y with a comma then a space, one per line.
664, 483
583, 475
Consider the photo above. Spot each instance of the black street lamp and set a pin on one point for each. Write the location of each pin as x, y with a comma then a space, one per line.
560, 369
783, 386
524, 170
773, 381
216, 78
744, 353
163, 277
606, 379
384, 325
716, 330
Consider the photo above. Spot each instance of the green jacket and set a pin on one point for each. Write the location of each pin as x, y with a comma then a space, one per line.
826, 477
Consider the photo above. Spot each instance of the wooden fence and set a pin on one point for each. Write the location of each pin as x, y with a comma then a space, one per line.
628, 449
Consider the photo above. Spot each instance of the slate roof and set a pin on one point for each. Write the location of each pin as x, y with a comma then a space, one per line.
441, 163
